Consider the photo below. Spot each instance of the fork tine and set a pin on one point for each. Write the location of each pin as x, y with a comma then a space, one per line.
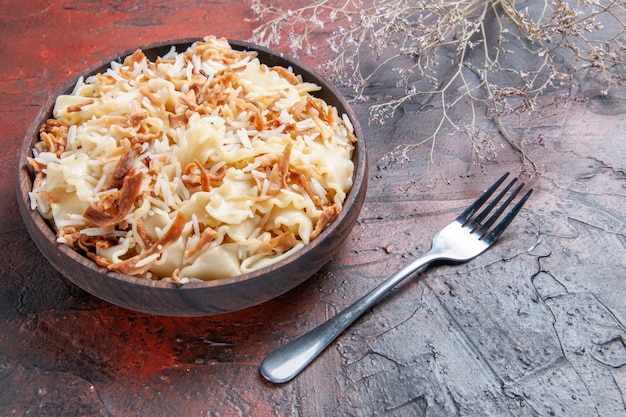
468, 212
481, 229
500, 227
476, 220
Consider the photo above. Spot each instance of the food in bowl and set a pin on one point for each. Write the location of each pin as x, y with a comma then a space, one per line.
203, 164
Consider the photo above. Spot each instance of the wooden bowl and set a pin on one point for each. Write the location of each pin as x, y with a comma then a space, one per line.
196, 298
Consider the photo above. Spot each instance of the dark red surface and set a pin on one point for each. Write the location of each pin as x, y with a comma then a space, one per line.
535, 326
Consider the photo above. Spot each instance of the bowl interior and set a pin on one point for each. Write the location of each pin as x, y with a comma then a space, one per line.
196, 298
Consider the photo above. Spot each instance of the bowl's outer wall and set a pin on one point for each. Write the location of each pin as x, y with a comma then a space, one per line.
207, 298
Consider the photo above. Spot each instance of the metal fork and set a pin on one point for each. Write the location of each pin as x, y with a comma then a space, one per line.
465, 238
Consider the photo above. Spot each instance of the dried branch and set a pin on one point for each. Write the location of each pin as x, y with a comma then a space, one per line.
415, 39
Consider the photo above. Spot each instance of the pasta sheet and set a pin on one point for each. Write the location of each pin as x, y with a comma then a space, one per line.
201, 165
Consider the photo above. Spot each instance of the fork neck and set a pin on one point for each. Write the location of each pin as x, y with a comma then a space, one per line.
409, 269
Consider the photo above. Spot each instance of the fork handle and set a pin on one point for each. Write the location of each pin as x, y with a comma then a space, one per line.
287, 361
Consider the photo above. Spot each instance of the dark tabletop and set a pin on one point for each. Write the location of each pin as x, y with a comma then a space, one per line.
534, 327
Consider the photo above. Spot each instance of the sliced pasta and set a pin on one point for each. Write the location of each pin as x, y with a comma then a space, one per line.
199, 165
